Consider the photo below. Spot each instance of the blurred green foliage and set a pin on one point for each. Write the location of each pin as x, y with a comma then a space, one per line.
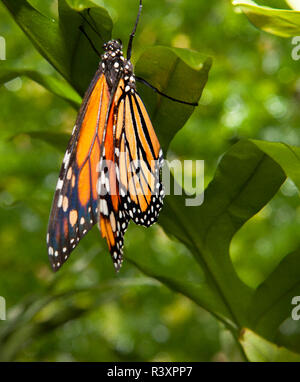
253, 92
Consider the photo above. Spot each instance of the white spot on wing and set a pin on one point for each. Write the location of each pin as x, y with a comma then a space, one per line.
103, 207
59, 185
60, 199
66, 159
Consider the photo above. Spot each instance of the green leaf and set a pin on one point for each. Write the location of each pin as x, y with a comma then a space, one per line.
43, 32
57, 140
61, 42
280, 22
258, 349
179, 73
187, 281
10, 70
272, 301
246, 179
287, 156
82, 62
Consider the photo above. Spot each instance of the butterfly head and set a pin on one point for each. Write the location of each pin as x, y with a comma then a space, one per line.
113, 48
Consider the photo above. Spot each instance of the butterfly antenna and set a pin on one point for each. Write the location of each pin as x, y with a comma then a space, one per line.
129, 49
93, 27
164, 95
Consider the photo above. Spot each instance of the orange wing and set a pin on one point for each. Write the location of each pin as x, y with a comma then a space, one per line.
129, 183
140, 161
113, 220
75, 205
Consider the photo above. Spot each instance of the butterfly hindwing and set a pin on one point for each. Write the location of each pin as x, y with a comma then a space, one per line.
113, 220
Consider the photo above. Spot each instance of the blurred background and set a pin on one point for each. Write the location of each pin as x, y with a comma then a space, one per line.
86, 312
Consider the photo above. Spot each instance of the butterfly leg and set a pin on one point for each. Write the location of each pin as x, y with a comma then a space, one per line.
164, 95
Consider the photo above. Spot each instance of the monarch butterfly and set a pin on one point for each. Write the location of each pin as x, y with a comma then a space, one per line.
111, 170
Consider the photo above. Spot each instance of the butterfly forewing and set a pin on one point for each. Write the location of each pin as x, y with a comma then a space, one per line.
75, 205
